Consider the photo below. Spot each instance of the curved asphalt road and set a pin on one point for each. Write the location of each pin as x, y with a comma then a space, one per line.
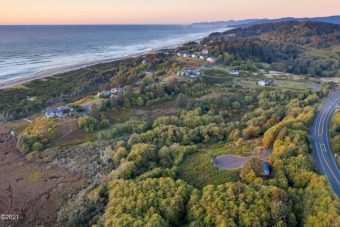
319, 139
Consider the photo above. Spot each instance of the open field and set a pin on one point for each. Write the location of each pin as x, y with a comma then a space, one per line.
199, 170
33, 190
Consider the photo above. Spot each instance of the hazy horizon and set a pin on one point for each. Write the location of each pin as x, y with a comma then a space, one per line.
88, 12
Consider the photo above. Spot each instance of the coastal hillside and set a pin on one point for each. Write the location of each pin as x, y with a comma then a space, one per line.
292, 28
305, 48
207, 134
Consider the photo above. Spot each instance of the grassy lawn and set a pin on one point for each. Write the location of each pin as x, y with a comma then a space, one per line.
216, 79
77, 136
106, 132
198, 169
289, 85
87, 100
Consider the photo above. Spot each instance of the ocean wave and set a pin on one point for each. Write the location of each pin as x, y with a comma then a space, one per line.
28, 63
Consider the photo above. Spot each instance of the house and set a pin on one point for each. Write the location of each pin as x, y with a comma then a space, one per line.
264, 82
199, 72
233, 72
266, 170
183, 54
150, 72
105, 94
186, 55
66, 109
144, 62
204, 56
180, 54
190, 72
11, 132
211, 59
53, 113
116, 90
195, 55
205, 51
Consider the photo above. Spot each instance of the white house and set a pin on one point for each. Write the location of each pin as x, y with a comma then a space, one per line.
12, 133
53, 113
264, 82
190, 72
203, 57
195, 55
144, 62
105, 94
116, 90
205, 51
211, 59
183, 54
186, 55
233, 72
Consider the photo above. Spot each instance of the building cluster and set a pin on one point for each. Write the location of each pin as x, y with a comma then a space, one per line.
203, 55
60, 111
193, 73
111, 93
264, 82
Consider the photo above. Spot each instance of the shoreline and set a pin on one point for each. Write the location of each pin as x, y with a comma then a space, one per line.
63, 69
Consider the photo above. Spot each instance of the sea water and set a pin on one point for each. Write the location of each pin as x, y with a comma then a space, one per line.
28, 49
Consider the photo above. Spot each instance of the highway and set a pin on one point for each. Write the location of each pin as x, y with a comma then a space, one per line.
322, 153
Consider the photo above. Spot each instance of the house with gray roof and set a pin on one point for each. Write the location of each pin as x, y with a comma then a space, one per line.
53, 113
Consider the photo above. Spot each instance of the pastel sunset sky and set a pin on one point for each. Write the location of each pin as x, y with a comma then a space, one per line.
157, 11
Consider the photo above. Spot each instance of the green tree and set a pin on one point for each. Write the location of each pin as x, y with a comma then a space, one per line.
120, 153
139, 101
126, 103
181, 100
100, 136
253, 167
37, 146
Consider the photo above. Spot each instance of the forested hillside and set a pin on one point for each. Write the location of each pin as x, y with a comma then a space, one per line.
308, 48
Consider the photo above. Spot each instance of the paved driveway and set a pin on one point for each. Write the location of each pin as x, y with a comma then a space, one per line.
235, 162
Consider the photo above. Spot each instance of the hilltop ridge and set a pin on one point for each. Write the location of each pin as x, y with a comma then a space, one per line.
248, 22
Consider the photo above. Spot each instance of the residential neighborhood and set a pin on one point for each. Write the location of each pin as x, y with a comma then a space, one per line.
203, 56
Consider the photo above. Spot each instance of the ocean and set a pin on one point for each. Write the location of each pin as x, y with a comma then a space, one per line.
25, 50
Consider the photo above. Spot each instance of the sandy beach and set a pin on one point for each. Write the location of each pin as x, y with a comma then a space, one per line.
67, 68
63, 69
